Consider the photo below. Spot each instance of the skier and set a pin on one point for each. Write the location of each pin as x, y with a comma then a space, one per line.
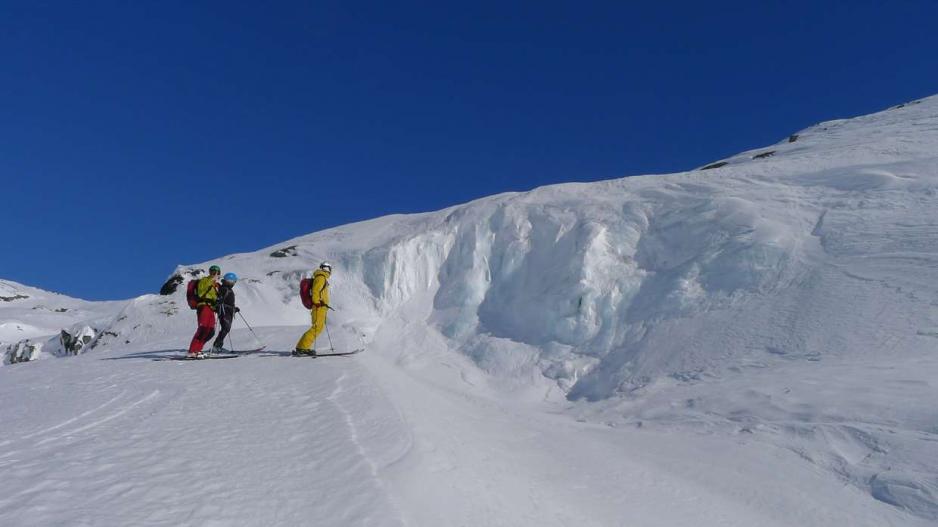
226, 309
319, 291
207, 291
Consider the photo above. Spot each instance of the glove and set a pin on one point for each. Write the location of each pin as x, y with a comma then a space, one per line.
237, 310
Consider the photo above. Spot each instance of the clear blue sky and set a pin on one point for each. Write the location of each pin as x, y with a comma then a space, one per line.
135, 136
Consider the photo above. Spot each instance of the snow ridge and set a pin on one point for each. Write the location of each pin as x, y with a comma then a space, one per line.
782, 298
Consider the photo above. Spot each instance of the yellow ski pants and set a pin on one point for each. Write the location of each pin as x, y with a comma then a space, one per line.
318, 314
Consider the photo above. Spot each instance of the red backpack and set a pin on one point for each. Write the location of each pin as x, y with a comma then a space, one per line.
306, 284
192, 296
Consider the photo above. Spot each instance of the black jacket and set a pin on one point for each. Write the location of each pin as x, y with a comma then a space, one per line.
226, 302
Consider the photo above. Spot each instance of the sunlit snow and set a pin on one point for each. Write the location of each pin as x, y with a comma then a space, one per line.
753, 344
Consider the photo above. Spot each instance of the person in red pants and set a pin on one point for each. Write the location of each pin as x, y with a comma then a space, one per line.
207, 291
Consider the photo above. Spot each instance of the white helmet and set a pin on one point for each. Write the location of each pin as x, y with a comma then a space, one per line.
326, 266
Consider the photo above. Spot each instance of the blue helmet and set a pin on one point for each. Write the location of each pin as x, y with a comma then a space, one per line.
230, 277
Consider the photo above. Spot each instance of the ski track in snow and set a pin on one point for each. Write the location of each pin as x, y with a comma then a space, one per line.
74, 419
263, 440
98, 422
267, 444
336, 399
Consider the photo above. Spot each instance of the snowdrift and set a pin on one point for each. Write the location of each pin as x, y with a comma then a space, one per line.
821, 245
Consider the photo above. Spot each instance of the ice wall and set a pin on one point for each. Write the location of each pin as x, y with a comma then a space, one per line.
782, 253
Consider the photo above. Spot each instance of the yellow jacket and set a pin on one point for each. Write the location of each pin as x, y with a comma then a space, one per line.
207, 291
320, 288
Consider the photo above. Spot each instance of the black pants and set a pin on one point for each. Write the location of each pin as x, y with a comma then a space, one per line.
225, 323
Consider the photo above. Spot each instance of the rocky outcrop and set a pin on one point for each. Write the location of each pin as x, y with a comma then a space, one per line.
718, 164
22, 351
173, 282
170, 286
12, 298
73, 343
283, 253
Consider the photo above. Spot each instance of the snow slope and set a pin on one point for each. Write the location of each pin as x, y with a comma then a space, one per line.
30, 313
750, 343
130, 438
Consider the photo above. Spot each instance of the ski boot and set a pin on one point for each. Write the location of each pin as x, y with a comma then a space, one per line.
198, 355
304, 353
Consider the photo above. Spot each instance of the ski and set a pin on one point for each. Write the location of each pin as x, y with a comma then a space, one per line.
340, 354
327, 354
246, 352
193, 359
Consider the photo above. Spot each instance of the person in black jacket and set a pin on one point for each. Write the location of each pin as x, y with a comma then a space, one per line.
225, 307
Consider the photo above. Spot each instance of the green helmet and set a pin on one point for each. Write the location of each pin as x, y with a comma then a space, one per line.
214, 270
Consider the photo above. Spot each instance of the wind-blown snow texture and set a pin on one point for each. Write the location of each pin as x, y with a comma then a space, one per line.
718, 335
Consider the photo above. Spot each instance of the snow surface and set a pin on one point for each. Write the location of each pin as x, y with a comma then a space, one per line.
750, 344
28, 313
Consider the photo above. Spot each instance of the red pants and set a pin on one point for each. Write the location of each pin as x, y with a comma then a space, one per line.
206, 329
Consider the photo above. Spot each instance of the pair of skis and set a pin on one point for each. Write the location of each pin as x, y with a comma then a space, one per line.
210, 356
224, 355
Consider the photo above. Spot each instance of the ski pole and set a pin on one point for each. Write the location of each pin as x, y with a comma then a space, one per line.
250, 328
331, 347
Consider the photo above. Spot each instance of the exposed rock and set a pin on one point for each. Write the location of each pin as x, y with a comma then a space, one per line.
22, 351
903, 105
174, 281
103, 337
74, 342
168, 308
171, 285
764, 155
792, 138
718, 164
14, 297
46, 308
283, 253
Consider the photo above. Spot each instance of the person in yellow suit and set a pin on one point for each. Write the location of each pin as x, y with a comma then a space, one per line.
320, 295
